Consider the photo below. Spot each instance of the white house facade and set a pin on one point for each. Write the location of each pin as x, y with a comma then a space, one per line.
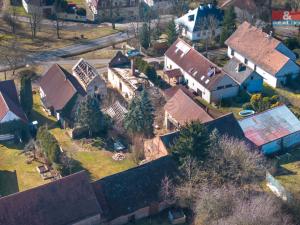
263, 54
193, 25
200, 75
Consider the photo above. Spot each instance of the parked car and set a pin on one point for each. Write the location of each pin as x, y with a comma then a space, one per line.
133, 53
118, 146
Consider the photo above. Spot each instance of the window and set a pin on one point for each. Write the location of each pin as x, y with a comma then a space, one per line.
246, 61
220, 87
251, 78
232, 52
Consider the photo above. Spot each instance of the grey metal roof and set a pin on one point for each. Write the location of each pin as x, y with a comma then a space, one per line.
270, 125
239, 77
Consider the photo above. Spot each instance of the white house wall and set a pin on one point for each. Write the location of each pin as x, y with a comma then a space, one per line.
268, 78
217, 95
207, 95
115, 81
10, 116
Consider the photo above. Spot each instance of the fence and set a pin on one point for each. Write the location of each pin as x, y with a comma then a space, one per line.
277, 188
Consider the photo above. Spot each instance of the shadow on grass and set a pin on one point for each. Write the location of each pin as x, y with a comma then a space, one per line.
8, 182
12, 144
75, 167
42, 119
281, 171
289, 156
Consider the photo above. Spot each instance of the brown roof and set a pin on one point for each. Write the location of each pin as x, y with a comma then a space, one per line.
9, 100
183, 109
59, 87
255, 45
176, 73
195, 64
170, 92
134, 189
61, 202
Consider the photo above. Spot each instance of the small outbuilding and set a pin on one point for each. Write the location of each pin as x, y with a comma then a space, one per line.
272, 131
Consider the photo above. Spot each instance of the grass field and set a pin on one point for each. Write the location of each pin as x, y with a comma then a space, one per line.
15, 174
291, 168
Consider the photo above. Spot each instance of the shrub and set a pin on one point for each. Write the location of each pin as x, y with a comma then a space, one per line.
247, 106
48, 145
81, 12
292, 43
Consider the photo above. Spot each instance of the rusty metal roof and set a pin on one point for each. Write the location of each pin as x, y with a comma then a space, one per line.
270, 125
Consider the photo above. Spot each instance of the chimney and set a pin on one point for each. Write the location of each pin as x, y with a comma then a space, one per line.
239, 67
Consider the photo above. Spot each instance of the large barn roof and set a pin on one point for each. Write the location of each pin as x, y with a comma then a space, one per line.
270, 125
60, 202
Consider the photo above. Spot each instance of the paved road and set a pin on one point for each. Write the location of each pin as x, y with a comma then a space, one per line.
53, 55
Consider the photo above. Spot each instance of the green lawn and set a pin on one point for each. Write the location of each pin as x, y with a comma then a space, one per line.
291, 165
15, 174
98, 162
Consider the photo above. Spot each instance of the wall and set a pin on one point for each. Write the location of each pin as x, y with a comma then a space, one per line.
277, 188
268, 78
206, 94
217, 95
271, 147
289, 68
73, 17
254, 85
99, 84
291, 140
139, 214
115, 81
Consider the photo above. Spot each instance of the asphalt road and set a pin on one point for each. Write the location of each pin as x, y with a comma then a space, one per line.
76, 49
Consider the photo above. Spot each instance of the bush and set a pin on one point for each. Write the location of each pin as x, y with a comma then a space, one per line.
292, 43
80, 132
81, 12
48, 145
247, 106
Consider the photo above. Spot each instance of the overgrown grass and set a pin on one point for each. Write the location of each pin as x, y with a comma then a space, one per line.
290, 164
15, 174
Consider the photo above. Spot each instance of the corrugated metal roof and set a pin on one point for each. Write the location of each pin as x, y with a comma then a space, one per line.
270, 125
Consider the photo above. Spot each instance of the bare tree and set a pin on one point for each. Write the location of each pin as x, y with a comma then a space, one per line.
188, 188
11, 20
229, 205
13, 54
167, 190
209, 24
35, 18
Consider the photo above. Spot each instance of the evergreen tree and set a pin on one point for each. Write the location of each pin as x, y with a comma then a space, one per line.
26, 94
147, 110
193, 141
89, 115
139, 119
228, 24
145, 36
171, 32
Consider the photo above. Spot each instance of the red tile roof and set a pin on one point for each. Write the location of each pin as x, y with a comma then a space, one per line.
258, 47
170, 92
195, 64
176, 73
183, 109
59, 86
9, 100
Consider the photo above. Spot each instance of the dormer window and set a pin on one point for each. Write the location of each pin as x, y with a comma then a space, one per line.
246, 61
191, 18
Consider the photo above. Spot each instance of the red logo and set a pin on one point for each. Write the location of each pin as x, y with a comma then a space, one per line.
279, 15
